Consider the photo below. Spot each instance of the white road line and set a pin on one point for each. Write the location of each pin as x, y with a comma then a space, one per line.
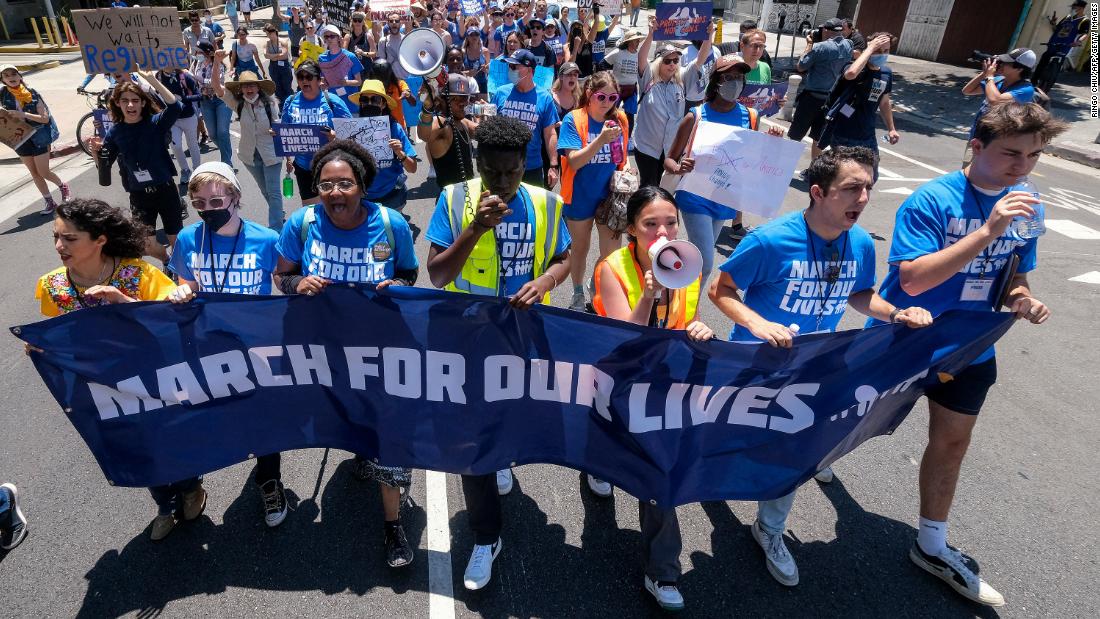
884, 173
441, 603
904, 191
912, 161
902, 179
1072, 229
1092, 277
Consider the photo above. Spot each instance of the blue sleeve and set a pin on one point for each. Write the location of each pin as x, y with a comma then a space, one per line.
270, 253
439, 228
167, 117
285, 116
497, 35
744, 266
1028, 256
401, 134
356, 66
866, 277
916, 231
402, 237
548, 116
339, 108
1024, 94
290, 240
185, 244
564, 240
569, 139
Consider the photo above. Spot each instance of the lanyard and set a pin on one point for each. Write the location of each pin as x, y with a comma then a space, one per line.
213, 269
832, 273
986, 254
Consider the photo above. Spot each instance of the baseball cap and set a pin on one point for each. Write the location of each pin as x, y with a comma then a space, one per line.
458, 85
833, 24
9, 67
1021, 55
569, 67
206, 47
330, 28
731, 61
668, 48
535, 20
1079, 3
523, 57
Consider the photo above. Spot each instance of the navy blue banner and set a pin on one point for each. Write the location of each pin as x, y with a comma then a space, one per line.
465, 384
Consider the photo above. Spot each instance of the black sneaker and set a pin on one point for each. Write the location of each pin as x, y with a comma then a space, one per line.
959, 571
17, 531
274, 502
398, 551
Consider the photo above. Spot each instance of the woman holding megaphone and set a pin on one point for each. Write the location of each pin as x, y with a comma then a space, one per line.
627, 289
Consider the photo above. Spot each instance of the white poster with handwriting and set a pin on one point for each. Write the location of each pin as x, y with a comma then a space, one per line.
371, 132
743, 169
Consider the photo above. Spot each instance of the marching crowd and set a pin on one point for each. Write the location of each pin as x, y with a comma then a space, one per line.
524, 175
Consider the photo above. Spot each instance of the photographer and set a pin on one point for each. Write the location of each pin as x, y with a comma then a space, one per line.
821, 62
1003, 79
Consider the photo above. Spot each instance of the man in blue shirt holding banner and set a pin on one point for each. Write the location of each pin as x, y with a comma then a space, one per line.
955, 246
496, 236
798, 274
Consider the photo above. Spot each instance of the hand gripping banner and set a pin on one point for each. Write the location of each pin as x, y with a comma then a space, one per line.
465, 384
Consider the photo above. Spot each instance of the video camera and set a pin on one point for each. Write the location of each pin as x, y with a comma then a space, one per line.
815, 32
979, 56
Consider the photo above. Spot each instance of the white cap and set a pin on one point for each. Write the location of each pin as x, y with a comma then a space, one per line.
221, 169
330, 28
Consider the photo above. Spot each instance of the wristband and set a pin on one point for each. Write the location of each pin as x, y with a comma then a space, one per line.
894, 315
288, 284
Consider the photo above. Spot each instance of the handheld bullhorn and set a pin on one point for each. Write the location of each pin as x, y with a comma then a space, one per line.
675, 263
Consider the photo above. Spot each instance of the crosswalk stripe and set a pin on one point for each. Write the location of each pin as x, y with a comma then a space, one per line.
1072, 229
1092, 277
904, 191
441, 603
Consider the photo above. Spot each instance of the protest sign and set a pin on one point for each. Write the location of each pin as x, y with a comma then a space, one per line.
682, 20
498, 76
610, 8
473, 7
293, 140
339, 12
381, 9
765, 98
290, 4
102, 122
124, 40
13, 132
372, 133
162, 392
584, 4
740, 168
308, 51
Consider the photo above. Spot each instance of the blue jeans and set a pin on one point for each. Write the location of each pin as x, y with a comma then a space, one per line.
169, 498
702, 230
773, 514
268, 178
217, 116
5, 509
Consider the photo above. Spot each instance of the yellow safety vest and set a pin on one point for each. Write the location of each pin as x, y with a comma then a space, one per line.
481, 272
628, 273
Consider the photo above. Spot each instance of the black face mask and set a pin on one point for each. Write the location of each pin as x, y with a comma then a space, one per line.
216, 218
369, 109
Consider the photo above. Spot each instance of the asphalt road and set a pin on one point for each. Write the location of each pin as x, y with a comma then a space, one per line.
1026, 506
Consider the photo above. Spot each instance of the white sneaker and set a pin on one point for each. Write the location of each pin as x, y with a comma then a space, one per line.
960, 572
504, 482
578, 303
825, 475
599, 487
480, 568
781, 564
667, 595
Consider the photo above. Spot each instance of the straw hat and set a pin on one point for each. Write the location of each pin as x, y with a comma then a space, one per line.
373, 87
250, 77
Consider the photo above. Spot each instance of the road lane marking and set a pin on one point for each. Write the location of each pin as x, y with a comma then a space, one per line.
1072, 229
903, 191
441, 603
1092, 277
912, 161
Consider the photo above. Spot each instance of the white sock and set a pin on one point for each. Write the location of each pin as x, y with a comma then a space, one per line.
932, 536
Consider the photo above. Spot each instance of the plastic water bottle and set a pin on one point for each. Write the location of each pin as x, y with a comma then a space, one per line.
1029, 227
616, 146
288, 187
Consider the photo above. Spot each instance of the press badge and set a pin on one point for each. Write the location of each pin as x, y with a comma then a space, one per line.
143, 176
847, 111
976, 289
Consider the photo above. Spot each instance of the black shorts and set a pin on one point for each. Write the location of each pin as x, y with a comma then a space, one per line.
28, 149
966, 393
305, 183
148, 203
809, 115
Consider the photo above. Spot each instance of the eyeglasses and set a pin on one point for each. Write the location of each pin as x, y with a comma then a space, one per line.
602, 97
671, 60
331, 36
755, 46
215, 202
306, 77
329, 186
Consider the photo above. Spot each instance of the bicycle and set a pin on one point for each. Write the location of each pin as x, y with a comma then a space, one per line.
90, 125
1051, 71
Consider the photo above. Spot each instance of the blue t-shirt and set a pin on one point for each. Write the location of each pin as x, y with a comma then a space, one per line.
691, 203
1022, 91
535, 108
240, 264
591, 182
391, 172
599, 46
938, 214
360, 255
503, 31
784, 276
320, 111
342, 64
515, 238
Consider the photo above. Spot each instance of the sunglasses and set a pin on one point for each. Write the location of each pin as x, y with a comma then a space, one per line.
512, 15
306, 77
602, 97
215, 202
675, 60
534, 27
357, 20
372, 100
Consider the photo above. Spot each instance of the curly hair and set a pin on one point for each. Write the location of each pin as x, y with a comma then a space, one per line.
350, 152
824, 170
125, 236
502, 134
115, 107
598, 80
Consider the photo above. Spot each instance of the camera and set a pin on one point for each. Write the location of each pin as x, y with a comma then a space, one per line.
815, 33
979, 56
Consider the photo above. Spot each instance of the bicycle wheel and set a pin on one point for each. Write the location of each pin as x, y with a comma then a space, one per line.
85, 129
1050, 74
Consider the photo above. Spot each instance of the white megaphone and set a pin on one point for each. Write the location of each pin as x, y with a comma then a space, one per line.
421, 53
675, 263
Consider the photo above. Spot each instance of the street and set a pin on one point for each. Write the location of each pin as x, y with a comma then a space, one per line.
1026, 506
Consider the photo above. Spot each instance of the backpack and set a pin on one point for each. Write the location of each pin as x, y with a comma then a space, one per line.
310, 218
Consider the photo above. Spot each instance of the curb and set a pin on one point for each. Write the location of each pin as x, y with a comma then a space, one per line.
1085, 154
64, 150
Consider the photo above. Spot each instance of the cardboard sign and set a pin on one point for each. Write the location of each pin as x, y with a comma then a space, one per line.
610, 8
685, 21
124, 40
743, 169
13, 132
584, 4
498, 76
765, 98
308, 51
339, 12
291, 140
372, 133
102, 122
381, 9
473, 7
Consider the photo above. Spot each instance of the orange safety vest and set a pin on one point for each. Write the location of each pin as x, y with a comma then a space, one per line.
628, 272
580, 119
